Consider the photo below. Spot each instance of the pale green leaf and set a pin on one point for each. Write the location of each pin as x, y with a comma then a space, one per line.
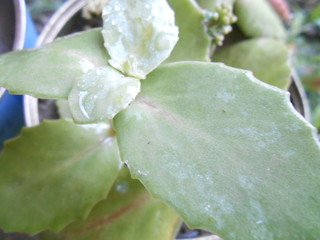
50, 71
194, 42
54, 174
225, 150
64, 112
129, 213
256, 18
139, 35
267, 58
63, 109
100, 94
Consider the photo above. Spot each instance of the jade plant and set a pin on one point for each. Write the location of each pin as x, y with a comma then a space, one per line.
161, 131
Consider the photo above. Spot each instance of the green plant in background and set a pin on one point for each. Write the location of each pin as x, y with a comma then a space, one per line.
209, 142
304, 39
39, 6
41, 10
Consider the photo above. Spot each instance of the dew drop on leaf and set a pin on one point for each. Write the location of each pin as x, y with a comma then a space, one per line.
139, 35
101, 93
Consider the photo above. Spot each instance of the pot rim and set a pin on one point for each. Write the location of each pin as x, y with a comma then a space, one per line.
48, 34
20, 29
21, 24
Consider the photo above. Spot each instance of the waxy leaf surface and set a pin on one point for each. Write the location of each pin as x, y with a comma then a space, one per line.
128, 213
101, 93
257, 18
51, 70
54, 174
267, 58
225, 150
194, 42
139, 35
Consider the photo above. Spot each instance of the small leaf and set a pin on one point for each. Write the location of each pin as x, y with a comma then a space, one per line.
100, 94
51, 70
54, 174
315, 13
228, 152
256, 18
192, 33
139, 35
129, 213
267, 58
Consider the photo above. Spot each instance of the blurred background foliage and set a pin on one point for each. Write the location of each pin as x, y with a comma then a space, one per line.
304, 38
41, 10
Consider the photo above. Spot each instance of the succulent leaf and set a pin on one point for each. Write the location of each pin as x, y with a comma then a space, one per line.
100, 94
54, 174
192, 33
257, 18
128, 213
51, 70
267, 58
231, 155
139, 35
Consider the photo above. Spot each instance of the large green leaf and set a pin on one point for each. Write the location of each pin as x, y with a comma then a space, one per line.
129, 213
53, 174
51, 70
228, 152
256, 18
194, 42
267, 58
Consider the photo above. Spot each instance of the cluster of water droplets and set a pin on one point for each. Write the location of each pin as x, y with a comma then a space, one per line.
101, 93
138, 35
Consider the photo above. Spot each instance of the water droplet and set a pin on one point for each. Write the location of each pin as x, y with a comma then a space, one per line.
162, 42
126, 162
142, 173
259, 222
122, 187
215, 15
227, 29
107, 10
208, 207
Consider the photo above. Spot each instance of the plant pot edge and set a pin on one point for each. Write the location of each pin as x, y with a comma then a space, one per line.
19, 29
